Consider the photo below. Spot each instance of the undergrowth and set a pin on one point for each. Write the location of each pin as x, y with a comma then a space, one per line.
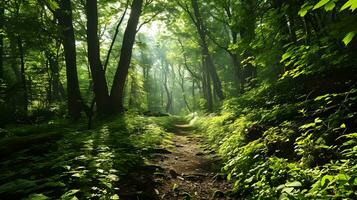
78, 164
280, 142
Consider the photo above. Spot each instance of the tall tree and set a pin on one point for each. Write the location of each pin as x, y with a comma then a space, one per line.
2, 21
23, 74
121, 74
196, 18
64, 15
98, 74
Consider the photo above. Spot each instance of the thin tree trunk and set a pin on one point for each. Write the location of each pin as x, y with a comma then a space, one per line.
75, 103
193, 96
182, 85
121, 74
114, 39
205, 52
206, 86
23, 75
98, 74
132, 92
13, 59
1, 42
237, 70
55, 77
168, 95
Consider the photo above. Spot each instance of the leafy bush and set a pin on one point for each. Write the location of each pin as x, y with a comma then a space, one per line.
302, 148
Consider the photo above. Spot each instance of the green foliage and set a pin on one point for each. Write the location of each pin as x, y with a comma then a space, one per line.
351, 4
348, 38
84, 163
271, 154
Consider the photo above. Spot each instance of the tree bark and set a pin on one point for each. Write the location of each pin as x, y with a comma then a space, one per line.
182, 85
114, 39
2, 42
168, 95
206, 86
75, 103
98, 74
217, 85
55, 94
23, 75
13, 59
121, 74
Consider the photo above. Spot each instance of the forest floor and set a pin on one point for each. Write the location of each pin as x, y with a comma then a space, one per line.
184, 170
132, 157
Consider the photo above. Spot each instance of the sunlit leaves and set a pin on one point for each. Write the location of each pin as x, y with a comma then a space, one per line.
52, 4
349, 37
351, 4
70, 195
304, 9
38, 197
320, 4
330, 6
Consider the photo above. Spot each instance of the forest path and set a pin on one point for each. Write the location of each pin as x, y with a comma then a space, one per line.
188, 171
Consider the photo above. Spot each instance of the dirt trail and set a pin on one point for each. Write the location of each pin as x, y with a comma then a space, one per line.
185, 171
188, 171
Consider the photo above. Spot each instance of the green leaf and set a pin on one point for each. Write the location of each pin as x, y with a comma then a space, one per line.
320, 4
343, 125
285, 56
342, 177
318, 120
351, 135
309, 125
38, 197
303, 11
53, 4
69, 194
326, 179
288, 190
330, 6
352, 4
348, 38
114, 197
249, 180
293, 184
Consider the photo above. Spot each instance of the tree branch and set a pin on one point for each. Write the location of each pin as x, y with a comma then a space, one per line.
115, 37
147, 21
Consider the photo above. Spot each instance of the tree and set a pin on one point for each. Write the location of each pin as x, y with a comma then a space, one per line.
2, 21
64, 15
196, 19
117, 91
97, 71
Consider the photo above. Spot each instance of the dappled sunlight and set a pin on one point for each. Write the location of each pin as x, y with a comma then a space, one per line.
178, 99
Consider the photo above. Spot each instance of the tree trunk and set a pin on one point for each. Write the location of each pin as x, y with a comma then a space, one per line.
168, 95
217, 85
55, 94
23, 75
98, 74
132, 93
237, 70
182, 85
13, 59
1, 43
69, 45
206, 85
193, 96
121, 74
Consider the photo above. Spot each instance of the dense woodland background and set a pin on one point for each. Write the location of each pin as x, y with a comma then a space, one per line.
272, 85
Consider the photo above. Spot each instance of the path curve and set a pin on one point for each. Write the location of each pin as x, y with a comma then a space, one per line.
189, 171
